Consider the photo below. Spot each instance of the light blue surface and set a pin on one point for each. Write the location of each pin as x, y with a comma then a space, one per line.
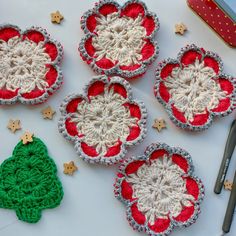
89, 207
231, 4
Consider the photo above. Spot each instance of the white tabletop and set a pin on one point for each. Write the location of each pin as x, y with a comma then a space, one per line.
89, 207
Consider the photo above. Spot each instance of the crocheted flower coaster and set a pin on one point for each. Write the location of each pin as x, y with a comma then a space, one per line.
193, 88
29, 65
104, 121
159, 190
28, 181
119, 40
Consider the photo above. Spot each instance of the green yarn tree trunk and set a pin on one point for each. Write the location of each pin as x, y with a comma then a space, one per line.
28, 181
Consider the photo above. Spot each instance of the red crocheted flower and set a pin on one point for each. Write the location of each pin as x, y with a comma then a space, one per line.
29, 65
159, 190
119, 40
104, 121
193, 88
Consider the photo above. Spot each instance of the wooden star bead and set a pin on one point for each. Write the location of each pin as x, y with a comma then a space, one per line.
56, 17
228, 185
159, 124
14, 125
70, 168
180, 28
48, 113
27, 137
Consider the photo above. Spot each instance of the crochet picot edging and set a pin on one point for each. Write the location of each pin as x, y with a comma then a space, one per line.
29, 65
104, 121
193, 88
119, 40
159, 190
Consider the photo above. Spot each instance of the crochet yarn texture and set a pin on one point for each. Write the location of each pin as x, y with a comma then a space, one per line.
194, 89
29, 65
119, 39
28, 181
159, 190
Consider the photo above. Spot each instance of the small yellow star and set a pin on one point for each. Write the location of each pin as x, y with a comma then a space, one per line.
159, 124
70, 168
56, 17
14, 125
180, 28
48, 113
228, 185
27, 137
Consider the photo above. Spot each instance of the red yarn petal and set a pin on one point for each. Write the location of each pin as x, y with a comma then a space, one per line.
223, 105
7, 94
178, 115
89, 47
164, 93
134, 133
213, 63
200, 119
7, 33
96, 88
160, 225
91, 22
34, 94
126, 190
34, 36
148, 50
149, 24
51, 50
108, 8
190, 57
185, 214
181, 162
134, 110
88, 150
226, 85
115, 150
130, 68
118, 88
158, 153
133, 10
73, 104
133, 167
167, 70
51, 76
137, 215
105, 63
71, 127
192, 187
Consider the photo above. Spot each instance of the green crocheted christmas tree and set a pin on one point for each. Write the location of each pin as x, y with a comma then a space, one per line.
29, 182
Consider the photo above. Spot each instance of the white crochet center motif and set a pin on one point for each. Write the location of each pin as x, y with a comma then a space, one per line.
119, 39
22, 65
193, 89
160, 190
103, 121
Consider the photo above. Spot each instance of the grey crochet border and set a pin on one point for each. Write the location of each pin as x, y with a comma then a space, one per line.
122, 176
167, 106
116, 70
76, 140
50, 90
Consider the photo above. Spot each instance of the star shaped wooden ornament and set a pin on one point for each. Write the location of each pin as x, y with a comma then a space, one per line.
48, 113
27, 137
228, 185
56, 17
180, 28
159, 124
70, 168
14, 125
